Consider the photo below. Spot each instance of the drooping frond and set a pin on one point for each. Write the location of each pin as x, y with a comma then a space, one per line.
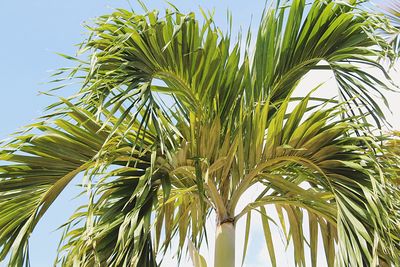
326, 36
43, 162
320, 168
137, 57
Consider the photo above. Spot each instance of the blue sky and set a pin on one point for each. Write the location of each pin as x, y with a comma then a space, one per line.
32, 31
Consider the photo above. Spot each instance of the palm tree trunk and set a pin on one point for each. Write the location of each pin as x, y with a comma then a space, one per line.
225, 245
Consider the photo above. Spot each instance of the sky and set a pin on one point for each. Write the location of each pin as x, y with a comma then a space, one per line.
33, 31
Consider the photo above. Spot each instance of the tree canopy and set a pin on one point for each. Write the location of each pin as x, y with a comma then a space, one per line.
175, 120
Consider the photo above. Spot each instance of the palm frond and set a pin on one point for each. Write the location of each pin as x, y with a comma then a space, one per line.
391, 9
318, 166
326, 36
43, 162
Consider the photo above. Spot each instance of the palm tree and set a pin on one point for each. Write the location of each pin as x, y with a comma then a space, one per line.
175, 121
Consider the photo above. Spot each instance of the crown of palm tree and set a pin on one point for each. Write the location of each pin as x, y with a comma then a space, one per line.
174, 121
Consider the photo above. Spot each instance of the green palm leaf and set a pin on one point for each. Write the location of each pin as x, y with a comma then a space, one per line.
391, 9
